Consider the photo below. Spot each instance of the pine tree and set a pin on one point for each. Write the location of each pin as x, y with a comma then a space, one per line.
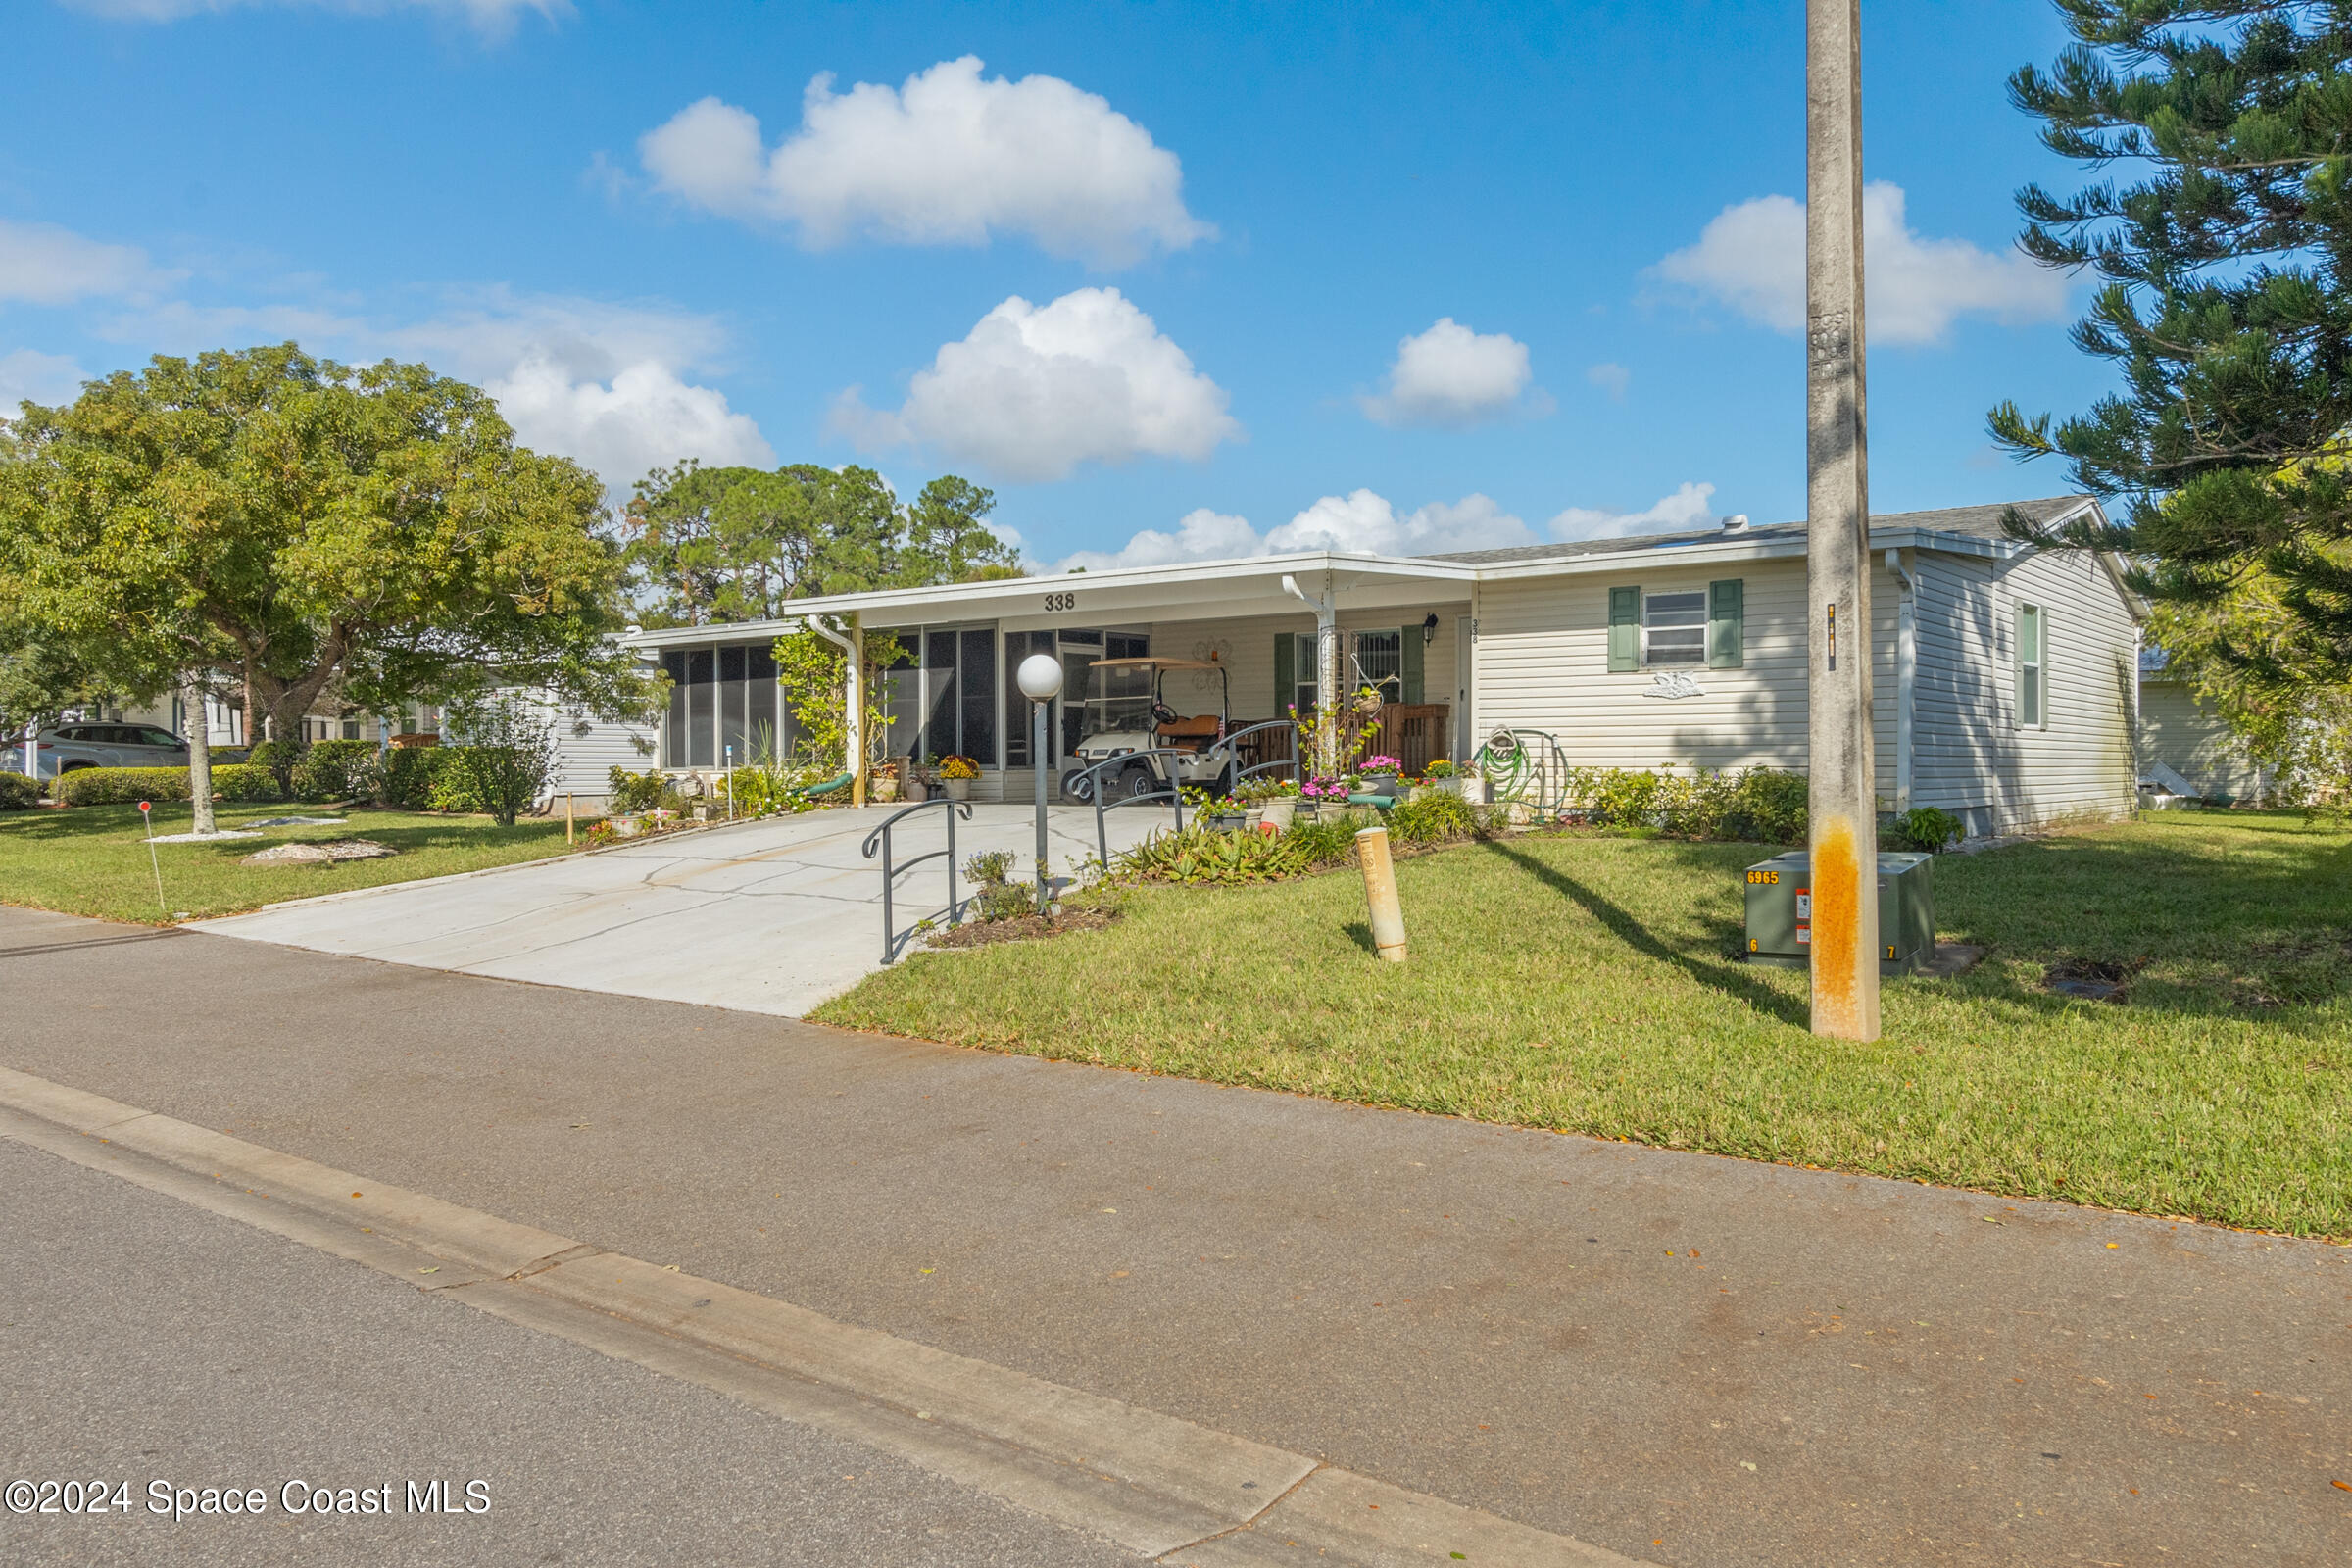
2226, 301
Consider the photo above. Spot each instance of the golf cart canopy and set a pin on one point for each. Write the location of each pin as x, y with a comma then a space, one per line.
1153, 661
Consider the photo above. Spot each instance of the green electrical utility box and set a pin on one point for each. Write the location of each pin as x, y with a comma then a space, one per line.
1779, 910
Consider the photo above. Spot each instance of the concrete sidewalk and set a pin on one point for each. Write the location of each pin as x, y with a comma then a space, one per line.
768, 916
1682, 1358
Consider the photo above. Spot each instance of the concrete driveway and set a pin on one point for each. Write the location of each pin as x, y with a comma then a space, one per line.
771, 916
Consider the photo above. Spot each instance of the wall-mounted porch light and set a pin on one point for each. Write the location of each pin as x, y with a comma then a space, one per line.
1428, 629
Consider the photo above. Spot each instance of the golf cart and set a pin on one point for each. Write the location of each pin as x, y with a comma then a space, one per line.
1126, 710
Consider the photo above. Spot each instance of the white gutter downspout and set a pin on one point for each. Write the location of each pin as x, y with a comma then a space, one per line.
1906, 673
853, 722
1325, 607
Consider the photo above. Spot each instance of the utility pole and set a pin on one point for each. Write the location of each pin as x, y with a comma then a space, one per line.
1843, 806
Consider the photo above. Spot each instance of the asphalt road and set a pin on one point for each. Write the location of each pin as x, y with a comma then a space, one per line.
1689, 1359
142, 1339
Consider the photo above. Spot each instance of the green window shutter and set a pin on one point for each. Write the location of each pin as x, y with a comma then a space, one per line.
1286, 674
1408, 648
1624, 628
1726, 624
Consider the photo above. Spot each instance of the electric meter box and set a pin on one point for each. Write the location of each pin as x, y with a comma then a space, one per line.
1779, 910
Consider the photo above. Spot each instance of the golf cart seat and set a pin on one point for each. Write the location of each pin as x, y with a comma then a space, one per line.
1193, 734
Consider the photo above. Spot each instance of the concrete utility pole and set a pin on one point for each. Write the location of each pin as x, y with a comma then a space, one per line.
1843, 801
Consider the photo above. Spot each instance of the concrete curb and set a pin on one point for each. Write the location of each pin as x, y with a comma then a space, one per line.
1164, 1488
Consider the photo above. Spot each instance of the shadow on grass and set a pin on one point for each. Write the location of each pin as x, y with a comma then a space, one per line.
1757, 996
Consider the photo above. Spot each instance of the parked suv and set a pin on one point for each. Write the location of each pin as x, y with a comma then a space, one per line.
69, 747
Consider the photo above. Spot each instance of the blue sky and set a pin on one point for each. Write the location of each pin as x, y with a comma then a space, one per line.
1389, 277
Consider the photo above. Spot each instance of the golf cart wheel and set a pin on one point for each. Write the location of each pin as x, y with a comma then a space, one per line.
1136, 779
1078, 785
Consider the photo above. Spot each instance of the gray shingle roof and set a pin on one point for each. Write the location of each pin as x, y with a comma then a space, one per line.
1983, 523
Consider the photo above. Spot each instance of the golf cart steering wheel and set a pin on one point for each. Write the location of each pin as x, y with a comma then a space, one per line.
1162, 714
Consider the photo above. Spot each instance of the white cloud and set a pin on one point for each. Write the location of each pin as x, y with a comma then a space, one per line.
1751, 257
603, 382
947, 159
1201, 535
1611, 378
1365, 522
1685, 510
1034, 391
642, 416
492, 17
41, 264
1452, 377
1361, 523
28, 376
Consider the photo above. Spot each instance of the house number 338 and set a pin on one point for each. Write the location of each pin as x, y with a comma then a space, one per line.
1062, 600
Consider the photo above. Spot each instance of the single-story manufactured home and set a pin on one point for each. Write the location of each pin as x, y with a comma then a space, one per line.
2004, 677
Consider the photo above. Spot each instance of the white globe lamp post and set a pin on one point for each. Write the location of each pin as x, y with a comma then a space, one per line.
1040, 680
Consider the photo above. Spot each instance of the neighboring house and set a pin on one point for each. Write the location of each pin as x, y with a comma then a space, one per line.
2004, 677
2179, 734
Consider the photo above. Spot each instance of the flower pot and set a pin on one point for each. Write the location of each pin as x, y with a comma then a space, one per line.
959, 789
1453, 785
1279, 812
883, 788
1230, 821
918, 791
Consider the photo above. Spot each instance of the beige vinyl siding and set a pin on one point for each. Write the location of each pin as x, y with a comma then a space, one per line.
1970, 755
1543, 664
1962, 750
2195, 743
2080, 762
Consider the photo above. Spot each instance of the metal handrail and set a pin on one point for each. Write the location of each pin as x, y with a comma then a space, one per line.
1173, 794
892, 941
1292, 762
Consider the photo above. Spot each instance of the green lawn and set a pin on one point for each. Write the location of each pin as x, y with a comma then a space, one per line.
92, 859
1578, 982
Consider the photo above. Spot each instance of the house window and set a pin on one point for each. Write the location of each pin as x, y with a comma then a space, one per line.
1377, 659
2032, 674
1674, 628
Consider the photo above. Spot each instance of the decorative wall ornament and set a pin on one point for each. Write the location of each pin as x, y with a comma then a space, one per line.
1671, 683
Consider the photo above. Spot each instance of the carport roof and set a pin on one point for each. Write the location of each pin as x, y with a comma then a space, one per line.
1253, 585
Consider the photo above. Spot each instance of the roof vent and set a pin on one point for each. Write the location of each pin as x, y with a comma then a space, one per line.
1736, 522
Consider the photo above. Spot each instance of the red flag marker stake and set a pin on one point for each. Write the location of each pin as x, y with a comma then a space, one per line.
147, 816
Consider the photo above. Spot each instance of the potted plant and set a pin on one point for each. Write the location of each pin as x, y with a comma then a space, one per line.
1382, 775
1443, 778
1272, 801
1225, 814
882, 784
955, 776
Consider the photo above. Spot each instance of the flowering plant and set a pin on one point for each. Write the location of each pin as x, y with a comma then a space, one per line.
959, 767
1383, 765
1442, 768
1318, 789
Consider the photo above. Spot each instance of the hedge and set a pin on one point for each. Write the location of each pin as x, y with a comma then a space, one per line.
428, 778
337, 770
121, 786
18, 792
